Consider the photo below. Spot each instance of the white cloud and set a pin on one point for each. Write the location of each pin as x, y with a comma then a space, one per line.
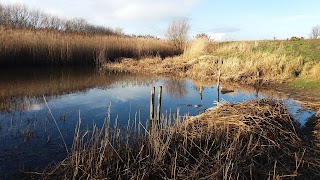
108, 12
134, 16
217, 36
35, 107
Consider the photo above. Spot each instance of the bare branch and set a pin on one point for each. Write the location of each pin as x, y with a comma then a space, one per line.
177, 34
315, 32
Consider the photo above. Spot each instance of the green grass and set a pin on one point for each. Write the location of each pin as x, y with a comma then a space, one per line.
308, 84
308, 49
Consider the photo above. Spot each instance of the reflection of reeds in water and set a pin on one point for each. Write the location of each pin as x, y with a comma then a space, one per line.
24, 91
176, 87
251, 140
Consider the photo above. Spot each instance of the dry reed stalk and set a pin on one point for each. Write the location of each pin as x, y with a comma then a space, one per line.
250, 140
36, 47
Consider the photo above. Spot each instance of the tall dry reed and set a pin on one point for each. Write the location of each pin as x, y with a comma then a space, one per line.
44, 47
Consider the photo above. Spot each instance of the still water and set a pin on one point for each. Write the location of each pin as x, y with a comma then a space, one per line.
29, 138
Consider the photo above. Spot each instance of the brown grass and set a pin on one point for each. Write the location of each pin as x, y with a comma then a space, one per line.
311, 71
252, 140
41, 47
237, 61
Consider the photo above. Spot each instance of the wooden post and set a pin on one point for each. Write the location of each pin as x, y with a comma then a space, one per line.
218, 87
258, 82
152, 106
159, 105
201, 93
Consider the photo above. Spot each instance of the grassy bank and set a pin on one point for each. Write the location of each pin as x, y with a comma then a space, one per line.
50, 47
251, 140
272, 61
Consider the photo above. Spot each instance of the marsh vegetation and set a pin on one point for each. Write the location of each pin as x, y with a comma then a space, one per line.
244, 140
31, 37
30, 139
100, 113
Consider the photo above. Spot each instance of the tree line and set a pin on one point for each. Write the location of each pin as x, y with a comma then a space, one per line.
20, 16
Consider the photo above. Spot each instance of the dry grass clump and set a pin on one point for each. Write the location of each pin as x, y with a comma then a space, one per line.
238, 62
311, 71
248, 58
316, 130
313, 128
251, 140
43, 47
195, 48
172, 66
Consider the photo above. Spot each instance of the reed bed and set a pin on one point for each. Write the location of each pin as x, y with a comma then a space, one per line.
250, 140
49, 47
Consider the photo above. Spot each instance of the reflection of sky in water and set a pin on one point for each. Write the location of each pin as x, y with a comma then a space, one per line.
92, 105
297, 112
127, 100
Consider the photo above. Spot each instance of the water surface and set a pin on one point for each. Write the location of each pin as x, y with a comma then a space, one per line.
29, 138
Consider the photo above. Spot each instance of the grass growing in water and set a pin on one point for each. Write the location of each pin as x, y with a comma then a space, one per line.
251, 140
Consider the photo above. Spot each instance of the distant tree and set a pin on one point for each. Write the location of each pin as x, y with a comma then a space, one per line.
203, 35
315, 32
19, 16
1, 14
177, 34
76, 25
294, 38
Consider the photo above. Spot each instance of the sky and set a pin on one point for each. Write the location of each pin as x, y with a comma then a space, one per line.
222, 20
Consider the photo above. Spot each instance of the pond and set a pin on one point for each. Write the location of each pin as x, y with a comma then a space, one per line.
29, 137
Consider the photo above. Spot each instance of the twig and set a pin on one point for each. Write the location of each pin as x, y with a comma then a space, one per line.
65, 145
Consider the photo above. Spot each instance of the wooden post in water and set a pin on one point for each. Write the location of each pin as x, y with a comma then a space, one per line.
152, 106
200, 93
258, 81
159, 105
218, 87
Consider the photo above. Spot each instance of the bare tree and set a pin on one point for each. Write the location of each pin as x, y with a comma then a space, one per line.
2, 20
177, 34
315, 32
19, 16
76, 25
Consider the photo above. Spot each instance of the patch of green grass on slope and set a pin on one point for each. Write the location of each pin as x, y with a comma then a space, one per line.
308, 49
304, 83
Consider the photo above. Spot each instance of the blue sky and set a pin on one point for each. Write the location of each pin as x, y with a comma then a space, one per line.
223, 20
